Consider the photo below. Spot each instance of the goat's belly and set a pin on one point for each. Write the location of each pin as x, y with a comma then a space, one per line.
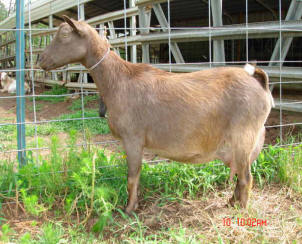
192, 149
195, 157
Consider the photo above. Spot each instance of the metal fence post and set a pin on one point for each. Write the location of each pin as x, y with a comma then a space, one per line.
20, 49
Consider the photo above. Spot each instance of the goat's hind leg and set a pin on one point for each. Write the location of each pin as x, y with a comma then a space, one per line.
236, 195
242, 163
243, 186
244, 176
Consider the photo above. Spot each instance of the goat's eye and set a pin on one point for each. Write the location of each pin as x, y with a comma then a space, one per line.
65, 35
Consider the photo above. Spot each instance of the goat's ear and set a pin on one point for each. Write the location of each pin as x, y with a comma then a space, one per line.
73, 24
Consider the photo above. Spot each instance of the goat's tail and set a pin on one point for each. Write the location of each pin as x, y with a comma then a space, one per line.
261, 76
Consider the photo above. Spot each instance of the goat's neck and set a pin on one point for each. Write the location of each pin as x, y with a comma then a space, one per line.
110, 75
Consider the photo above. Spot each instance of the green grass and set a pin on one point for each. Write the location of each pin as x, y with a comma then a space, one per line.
77, 104
95, 126
61, 90
55, 90
39, 107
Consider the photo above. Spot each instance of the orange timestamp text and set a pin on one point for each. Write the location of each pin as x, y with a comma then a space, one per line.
253, 222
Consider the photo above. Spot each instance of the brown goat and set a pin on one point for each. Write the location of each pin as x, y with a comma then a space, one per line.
196, 117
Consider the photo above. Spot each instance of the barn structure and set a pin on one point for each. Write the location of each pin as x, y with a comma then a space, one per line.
175, 35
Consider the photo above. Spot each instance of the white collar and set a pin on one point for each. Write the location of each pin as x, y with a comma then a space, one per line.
93, 66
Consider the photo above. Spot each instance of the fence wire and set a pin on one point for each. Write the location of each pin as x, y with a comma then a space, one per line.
43, 35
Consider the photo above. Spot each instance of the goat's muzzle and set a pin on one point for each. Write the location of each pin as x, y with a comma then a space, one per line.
45, 62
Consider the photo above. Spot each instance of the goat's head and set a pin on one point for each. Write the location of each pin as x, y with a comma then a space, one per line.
71, 44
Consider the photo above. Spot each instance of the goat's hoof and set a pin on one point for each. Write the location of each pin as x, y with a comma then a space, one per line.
129, 210
231, 202
238, 204
243, 205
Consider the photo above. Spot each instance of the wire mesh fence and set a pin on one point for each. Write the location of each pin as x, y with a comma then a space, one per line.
146, 31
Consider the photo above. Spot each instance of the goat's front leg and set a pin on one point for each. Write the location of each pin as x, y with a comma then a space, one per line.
134, 153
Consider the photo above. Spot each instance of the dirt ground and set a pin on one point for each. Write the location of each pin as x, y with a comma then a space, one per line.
279, 206
49, 111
